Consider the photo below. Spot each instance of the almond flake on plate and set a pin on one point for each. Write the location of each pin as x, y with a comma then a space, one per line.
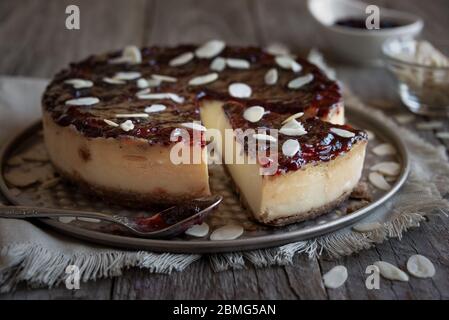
293, 117
161, 96
271, 77
431, 125
50, 183
198, 230
204, 79
20, 178
287, 62
264, 137
66, 219
342, 133
210, 49
181, 59
111, 123
127, 75
113, 80
389, 168
228, 232
162, 77
155, 108
290, 147
128, 125
92, 220
293, 128
238, 63
404, 118
379, 181
335, 277
130, 54
277, 49
240, 90
300, 81
254, 114
384, 149
194, 126
420, 266
218, 64
36, 153
443, 135
132, 115
86, 101
367, 226
391, 272
79, 83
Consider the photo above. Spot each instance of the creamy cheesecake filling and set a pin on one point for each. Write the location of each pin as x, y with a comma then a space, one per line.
128, 166
274, 199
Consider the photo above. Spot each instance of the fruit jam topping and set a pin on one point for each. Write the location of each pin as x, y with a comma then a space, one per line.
122, 97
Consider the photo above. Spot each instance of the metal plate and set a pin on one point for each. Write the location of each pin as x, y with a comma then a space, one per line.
256, 236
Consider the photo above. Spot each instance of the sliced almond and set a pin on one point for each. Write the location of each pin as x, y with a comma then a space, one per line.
198, 230
277, 49
128, 125
384, 149
210, 49
287, 62
342, 133
293, 128
165, 78
113, 80
391, 272
142, 83
431, 125
130, 54
379, 181
86, 101
271, 77
50, 183
194, 126
91, 220
66, 219
181, 59
132, 115
300, 81
254, 114
155, 108
240, 90
204, 79
238, 63
111, 123
264, 137
143, 92
36, 153
290, 147
443, 135
79, 83
335, 277
420, 266
218, 64
293, 117
20, 178
127, 75
161, 96
389, 168
367, 226
228, 232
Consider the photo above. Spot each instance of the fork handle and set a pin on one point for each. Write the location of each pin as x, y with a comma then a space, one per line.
21, 212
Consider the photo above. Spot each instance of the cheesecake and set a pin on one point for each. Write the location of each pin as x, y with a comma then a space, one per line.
116, 124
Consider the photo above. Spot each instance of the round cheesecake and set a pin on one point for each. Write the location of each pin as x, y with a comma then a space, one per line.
110, 125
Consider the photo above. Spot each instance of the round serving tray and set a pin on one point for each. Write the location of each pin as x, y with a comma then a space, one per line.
63, 195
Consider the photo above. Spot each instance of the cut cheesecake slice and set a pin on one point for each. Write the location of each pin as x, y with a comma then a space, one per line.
317, 178
111, 125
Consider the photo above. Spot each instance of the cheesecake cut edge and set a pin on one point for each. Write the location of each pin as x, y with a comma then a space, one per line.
127, 171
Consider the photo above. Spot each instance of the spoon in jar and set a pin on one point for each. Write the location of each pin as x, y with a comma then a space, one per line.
164, 224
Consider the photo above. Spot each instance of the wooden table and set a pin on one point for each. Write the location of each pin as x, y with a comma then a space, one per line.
35, 42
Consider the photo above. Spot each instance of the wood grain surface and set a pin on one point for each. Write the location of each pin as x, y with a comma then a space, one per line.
35, 42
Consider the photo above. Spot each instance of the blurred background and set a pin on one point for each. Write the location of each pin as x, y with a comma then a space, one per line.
35, 41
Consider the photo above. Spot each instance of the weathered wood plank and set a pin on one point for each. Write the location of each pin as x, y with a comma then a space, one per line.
35, 41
